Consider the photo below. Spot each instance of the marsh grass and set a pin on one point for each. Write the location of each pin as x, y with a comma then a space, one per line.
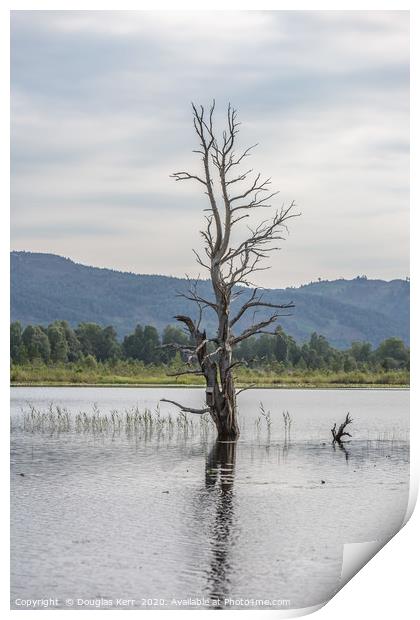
133, 422
55, 419
147, 424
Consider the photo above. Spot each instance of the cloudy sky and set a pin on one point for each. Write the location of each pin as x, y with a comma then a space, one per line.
101, 117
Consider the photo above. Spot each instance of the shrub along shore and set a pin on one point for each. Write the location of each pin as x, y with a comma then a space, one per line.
136, 373
92, 355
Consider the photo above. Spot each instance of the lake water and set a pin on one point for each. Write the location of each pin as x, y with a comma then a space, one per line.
158, 513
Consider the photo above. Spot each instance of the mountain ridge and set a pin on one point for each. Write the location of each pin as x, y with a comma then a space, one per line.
47, 287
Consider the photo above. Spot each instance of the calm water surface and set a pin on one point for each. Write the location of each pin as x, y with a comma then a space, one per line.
164, 514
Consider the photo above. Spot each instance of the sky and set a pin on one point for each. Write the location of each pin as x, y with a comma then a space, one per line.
101, 117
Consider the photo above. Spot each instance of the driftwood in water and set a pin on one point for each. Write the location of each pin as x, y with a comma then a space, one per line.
341, 432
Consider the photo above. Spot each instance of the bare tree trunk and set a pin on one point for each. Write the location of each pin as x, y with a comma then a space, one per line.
226, 413
227, 266
216, 367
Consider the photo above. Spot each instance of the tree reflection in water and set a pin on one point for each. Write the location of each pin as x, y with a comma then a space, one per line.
343, 448
222, 524
219, 477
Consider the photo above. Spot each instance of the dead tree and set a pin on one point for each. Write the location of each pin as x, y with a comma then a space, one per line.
233, 195
340, 433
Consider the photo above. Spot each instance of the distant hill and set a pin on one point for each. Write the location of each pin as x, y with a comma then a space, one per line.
46, 287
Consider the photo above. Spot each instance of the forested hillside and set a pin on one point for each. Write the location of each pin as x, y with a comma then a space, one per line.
46, 288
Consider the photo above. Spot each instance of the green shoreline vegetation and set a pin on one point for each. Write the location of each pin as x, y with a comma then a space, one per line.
92, 355
139, 375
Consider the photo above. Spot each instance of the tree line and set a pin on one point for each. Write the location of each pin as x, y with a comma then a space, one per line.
91, 343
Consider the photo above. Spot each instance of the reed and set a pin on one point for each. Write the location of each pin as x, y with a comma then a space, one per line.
266, 415
287, 420
133, 422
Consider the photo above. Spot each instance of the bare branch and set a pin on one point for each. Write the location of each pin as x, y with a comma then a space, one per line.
251, 386
256, 186
240, 177
188, 322
207, 139
176, 346
253, 303
184, 408
255, 329
185, 176
192, 295
235, 162
196, 371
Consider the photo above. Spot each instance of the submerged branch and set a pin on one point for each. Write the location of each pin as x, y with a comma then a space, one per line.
340, 433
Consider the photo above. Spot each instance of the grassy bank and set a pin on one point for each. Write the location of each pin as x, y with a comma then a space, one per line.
123, 373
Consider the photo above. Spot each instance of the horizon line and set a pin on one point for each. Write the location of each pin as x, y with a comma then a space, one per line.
164, 275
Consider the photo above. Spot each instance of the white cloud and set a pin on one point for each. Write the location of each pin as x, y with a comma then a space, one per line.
100, 118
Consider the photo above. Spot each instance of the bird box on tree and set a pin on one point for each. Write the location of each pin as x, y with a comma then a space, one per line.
210, 396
